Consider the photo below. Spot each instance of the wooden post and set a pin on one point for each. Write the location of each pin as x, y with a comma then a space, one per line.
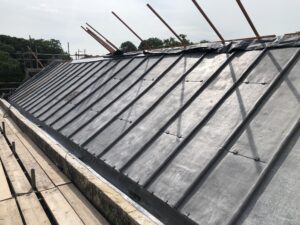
3, 129
99, 40
248, 19
209, 21
166, 24
126, 25
13, 147
33, 180
108, 41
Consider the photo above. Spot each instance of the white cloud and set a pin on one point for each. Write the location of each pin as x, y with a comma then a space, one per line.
61, 19
43, 7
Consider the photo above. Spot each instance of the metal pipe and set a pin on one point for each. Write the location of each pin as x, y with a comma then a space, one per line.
165, 23
99, 40
248, 19
126, 25
250, 38
109, 42
208, 20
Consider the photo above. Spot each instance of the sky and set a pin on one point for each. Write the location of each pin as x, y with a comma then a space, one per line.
61, 19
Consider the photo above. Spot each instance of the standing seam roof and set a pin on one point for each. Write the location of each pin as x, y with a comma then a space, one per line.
204, 135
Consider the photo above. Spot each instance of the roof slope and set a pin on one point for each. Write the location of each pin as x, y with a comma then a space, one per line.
199, 136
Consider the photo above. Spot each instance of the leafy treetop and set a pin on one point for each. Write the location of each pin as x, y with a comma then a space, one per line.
156, 43
10, 68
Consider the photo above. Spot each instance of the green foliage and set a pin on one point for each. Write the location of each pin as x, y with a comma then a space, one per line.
7, 48
10, 47
151, 43
10, 69
128, 46
156, 43
19, 44
185, 40
51, 46
172, 42
204, 41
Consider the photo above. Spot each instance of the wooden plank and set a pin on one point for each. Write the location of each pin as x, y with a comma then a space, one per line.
60, 208
9, 213
4, 188
56, 176
97, 190
83, 208
1, 112
15, 129
32, 210
14, 171
42, 180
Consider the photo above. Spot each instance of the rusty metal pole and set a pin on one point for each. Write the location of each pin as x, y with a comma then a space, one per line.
99, 40
165, 23
209, 21
126, 25
248, 19
109, 42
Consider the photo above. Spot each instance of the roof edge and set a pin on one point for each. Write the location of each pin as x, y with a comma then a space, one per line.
109, 200
285, 41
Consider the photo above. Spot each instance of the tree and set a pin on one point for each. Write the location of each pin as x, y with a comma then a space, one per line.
185, 40
7, 48
171, 42
10, 69
128, 46
151, 43
155, 43
204, 41
51, 46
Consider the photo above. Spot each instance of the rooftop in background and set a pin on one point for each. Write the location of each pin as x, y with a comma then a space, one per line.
207, 134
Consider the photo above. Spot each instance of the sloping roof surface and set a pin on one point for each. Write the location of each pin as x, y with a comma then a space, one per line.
197, 136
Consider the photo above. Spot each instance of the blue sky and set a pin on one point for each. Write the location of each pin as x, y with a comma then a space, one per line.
61, 19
